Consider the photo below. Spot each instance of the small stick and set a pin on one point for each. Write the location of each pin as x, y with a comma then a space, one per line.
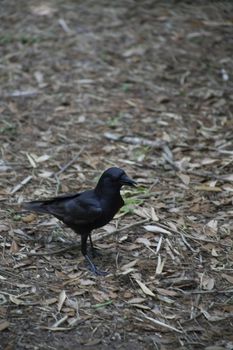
161, 324
207, 291
127, 227
192, 237
135, 140
65, 167
21, 184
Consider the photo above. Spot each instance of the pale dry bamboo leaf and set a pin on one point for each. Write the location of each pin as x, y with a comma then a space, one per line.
61, 299
126, 272
213, 225
130, 264
144, 241
208, 284
207, 188
156, 229
165, 299
167, 292
59, 322
162, 324
160, 265
49, 301
42, 158
159, 244
207, 161
31, 160
213, 318
184, 178
154, 216
21, 184
4, 324
144, 288
142, 307
16, 300
43, 9
142, 212
3, 227
136, 300
229, 278
45, 174
109, 228
227, 177
86, 282
14, 247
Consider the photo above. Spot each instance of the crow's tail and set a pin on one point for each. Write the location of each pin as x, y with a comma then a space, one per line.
37, 206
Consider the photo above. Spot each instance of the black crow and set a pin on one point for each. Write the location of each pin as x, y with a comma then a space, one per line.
87, 210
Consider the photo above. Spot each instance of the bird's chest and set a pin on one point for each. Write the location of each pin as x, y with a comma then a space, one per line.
109, 208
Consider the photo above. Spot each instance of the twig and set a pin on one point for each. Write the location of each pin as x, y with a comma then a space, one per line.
59, 322
65, 167
21, 184
95, 238
135, 140
197, 315
192, 237
161, 324
206, 291
127, 227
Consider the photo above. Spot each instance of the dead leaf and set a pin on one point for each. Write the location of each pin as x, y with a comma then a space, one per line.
86, 282
21, 184
144, 241
42, 158
29, 218
45, 174
3, 228
227, 177
184, 178
212, 225
136, 300
16, 300
207, 188
229, 278
207, 283
156, 229
14, 247
167, 292
4, 324
144, 288
49, 301
160, 266
213, 318
61, 300
31, 160
43, 10
154, 216
129, 265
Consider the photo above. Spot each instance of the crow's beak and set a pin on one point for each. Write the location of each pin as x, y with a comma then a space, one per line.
125, 180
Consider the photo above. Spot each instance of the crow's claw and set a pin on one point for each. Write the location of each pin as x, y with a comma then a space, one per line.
93, 268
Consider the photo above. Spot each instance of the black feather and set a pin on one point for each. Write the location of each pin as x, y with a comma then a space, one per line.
87, 210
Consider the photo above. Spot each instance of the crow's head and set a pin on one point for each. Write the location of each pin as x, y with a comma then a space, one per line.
115, 178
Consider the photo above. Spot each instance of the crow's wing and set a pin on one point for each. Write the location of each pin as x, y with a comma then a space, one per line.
42, 206
77, 209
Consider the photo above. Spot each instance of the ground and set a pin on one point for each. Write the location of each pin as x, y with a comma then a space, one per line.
146, 86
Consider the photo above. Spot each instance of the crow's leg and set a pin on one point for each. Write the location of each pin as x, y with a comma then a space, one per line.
94, 250
92, 266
